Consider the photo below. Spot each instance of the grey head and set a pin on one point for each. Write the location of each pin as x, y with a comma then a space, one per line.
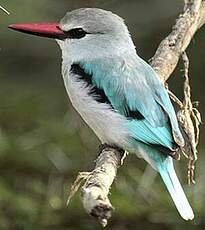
94, 33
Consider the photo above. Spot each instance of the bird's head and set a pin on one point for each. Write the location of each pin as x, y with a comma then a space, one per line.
85, 33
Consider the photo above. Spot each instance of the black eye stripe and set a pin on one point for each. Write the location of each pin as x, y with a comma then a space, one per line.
76, 33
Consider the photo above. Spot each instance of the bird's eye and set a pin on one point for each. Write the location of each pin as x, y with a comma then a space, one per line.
76, 33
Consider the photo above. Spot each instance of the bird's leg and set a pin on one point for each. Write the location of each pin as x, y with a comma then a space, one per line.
105, 145
123, 152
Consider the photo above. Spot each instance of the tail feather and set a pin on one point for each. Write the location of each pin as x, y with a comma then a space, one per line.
173, 185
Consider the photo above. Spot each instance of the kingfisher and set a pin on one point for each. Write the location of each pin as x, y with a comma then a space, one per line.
116, 92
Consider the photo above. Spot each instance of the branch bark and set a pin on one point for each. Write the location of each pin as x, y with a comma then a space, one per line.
170, 49
96, 188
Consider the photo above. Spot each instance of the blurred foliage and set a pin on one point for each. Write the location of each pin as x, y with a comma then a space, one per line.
44, 143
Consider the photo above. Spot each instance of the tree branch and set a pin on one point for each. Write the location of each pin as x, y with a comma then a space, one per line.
96, 188
171, 48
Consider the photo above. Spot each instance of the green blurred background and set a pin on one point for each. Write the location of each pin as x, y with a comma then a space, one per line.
44, 142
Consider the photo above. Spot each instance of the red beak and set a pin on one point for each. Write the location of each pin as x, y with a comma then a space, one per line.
49, 30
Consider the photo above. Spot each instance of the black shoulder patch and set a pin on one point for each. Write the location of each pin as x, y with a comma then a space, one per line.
97, 93
135, 115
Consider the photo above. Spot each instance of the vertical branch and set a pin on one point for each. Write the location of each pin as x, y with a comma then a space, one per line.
190, 119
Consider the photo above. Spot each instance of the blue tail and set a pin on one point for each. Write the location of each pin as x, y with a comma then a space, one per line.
173, 185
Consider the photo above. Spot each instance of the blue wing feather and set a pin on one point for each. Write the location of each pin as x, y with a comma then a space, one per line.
137, 88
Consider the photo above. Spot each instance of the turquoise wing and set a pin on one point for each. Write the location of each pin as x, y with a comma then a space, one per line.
137, 93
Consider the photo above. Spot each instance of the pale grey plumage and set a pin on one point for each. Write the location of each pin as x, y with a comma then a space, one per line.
107, 32
94, 21
126, 76
117, 93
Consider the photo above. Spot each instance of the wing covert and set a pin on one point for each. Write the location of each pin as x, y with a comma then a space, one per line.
136, 92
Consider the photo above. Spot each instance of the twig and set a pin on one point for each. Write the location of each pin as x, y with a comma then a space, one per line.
190, 119
4, 10
82, 177
96, 189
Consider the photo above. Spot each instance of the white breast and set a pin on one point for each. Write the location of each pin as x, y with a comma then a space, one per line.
108, 125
